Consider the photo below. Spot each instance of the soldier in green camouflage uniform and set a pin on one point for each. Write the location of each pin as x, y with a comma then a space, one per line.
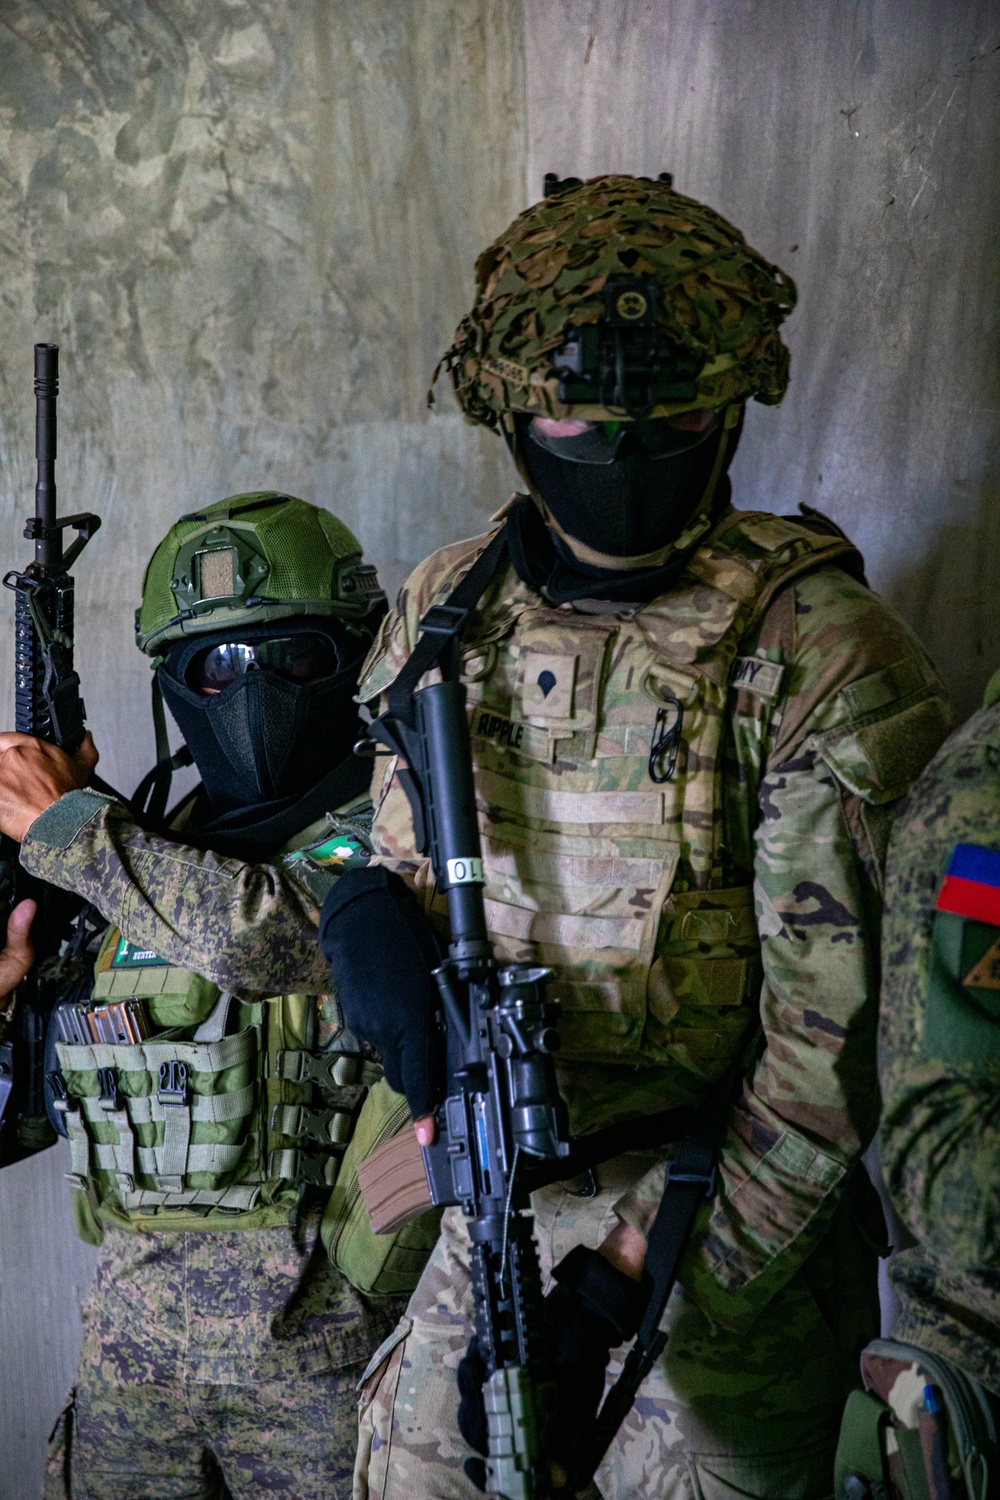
939, 1066
221, 1347
690, 728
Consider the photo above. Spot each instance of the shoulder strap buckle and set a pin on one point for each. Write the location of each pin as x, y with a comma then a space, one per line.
447, 620
708, 1178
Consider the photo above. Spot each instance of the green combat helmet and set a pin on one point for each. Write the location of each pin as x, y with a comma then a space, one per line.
249, 560
619, 298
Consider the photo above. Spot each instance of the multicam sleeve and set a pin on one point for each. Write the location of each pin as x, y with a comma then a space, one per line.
251, 928
939, 1034
859, 713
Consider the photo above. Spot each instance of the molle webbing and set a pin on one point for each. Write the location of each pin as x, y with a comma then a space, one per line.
616, 882
194, 1120
146, 1057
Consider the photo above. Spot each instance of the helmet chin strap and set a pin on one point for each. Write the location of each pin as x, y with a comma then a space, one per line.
725, 444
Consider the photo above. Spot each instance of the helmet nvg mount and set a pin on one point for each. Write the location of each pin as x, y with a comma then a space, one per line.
619, 298
249, 560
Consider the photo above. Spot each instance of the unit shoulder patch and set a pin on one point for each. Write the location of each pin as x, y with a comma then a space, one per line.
971, 886
985, 975
337, 851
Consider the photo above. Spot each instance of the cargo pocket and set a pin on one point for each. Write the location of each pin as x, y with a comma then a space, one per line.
793, 1474
377, 1400
59, 1455
706, 972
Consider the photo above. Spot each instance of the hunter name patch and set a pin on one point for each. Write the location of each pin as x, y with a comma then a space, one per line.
131, 956
971, 885
755, 674
498, 729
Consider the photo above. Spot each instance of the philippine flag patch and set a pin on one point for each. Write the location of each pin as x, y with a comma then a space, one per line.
972, 884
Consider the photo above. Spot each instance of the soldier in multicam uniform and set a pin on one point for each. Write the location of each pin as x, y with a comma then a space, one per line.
939, 1066
690, 727
221, 1347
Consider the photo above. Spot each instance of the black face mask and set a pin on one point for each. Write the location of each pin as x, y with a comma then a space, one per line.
264, 740
626, 508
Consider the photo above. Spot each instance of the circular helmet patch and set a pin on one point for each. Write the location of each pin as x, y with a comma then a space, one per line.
631, 306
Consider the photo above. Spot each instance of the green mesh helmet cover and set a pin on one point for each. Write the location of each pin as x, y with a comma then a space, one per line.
249, 559
717, 298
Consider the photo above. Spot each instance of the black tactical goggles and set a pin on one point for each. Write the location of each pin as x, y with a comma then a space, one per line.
599, 442
303, 658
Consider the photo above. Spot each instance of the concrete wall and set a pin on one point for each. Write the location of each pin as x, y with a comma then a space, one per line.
251, 227
856, 143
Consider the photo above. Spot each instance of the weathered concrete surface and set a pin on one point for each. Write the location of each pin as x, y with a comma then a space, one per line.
857, 143
251, 229
44, 1274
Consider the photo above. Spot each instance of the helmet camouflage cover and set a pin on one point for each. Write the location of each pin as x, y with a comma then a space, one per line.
620, 266
252, 559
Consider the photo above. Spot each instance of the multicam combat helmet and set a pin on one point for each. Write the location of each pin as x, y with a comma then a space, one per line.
620, 298
248, 560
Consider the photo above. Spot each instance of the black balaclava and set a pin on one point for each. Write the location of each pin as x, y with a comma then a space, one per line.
629, 508
263, 742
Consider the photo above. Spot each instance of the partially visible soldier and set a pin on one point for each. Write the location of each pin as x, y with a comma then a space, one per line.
221, 1347
939, 1064
690, 725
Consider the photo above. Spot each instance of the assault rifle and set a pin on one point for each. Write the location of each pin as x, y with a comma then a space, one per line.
47, 704
503, 1104
502, 1131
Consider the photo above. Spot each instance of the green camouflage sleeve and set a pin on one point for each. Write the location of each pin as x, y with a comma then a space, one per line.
249, 928
816, 766
939, 1040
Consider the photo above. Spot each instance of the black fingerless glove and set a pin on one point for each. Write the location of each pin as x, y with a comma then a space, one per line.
381, 950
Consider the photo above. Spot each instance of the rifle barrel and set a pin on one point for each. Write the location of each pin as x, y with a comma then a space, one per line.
48, 540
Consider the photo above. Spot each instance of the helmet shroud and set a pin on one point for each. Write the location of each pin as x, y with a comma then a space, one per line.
620, 276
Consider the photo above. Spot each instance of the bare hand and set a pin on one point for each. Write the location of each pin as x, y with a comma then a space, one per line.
426, 1130
625, 1248
34, 774
18, 955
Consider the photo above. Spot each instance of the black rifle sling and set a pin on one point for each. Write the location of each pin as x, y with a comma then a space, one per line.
150, 797
689, 1180
443, 623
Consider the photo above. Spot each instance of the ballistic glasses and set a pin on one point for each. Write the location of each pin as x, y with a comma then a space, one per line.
599, 442
302, 658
